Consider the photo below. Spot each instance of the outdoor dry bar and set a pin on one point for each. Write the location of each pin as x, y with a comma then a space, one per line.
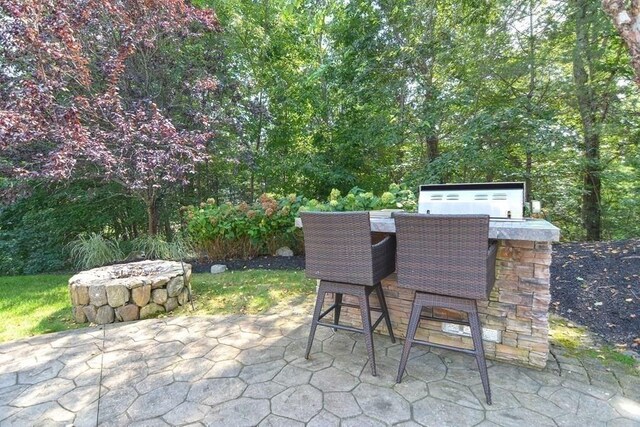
515, 319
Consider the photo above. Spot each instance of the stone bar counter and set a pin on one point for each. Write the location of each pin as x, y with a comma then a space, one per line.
515, 319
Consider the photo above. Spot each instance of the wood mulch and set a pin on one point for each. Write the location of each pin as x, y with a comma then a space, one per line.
597, 285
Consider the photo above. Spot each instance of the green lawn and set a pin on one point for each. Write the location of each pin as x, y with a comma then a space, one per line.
250, 291
34, 305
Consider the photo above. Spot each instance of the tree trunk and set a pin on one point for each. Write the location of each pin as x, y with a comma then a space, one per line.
587, 105
627, 23
530, 108
152, 217
527, 176
256, 152
433, 150
591, 211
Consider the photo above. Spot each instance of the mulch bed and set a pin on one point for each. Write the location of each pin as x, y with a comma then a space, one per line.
596, 285
261, 262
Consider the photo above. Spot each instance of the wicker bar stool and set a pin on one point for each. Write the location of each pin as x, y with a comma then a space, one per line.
340, 253
448, 261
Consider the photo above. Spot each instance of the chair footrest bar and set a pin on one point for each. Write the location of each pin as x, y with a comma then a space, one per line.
346, 304
343, 327
444, 346
440, 319
377, 322
334, 306
327, 311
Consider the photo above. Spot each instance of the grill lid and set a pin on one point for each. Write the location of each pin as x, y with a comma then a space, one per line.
499, 200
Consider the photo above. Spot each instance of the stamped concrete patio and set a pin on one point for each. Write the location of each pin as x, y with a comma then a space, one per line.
250, 370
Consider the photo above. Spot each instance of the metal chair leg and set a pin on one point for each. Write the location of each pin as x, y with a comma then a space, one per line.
385, 311
365, 314
476, 335
414, 321
314, 322
336, 314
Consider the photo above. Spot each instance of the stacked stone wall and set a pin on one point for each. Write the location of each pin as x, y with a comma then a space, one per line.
125, 292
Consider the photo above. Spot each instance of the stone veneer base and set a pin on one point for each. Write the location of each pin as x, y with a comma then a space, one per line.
125, 292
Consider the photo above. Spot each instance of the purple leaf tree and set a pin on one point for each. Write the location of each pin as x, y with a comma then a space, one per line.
65, 112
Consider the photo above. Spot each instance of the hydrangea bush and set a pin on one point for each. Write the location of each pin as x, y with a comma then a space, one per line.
357, 199
227, 230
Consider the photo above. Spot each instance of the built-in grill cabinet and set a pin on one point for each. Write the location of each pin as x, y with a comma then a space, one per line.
499, 200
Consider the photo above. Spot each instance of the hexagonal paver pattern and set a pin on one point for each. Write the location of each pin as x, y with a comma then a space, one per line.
222, 352
158, 402
454, 392
79, 398
315, 362
276, 421
40, 373
436, 412
339, 345
264, 390
429, 367
518, 417
215, 391
300, 403
363, 420
260, 354
115, 402
412, 389
42, 392
154, 381
333, 379
224, 369
382, 403
241, 340
240, 412
262, 371
186, 412
250, 370
292, 376
343, 405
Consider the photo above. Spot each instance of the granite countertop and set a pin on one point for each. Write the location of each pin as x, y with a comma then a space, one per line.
536, 230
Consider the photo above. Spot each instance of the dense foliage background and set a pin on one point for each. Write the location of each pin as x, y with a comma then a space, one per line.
302, 97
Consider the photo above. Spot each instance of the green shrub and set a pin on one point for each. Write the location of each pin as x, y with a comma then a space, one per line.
230, 231
397, 197
93, 250
35, 229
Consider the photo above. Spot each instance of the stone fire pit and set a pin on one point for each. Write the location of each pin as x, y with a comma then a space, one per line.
124, 292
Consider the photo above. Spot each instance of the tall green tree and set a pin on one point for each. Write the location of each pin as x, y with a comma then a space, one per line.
595, 71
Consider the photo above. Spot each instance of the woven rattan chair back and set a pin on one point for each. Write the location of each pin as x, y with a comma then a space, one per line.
444, 254
338, 247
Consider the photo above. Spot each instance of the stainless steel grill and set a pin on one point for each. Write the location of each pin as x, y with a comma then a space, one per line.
499, 200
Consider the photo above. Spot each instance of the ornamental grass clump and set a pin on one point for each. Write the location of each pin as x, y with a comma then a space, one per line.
93, 250
156, 247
